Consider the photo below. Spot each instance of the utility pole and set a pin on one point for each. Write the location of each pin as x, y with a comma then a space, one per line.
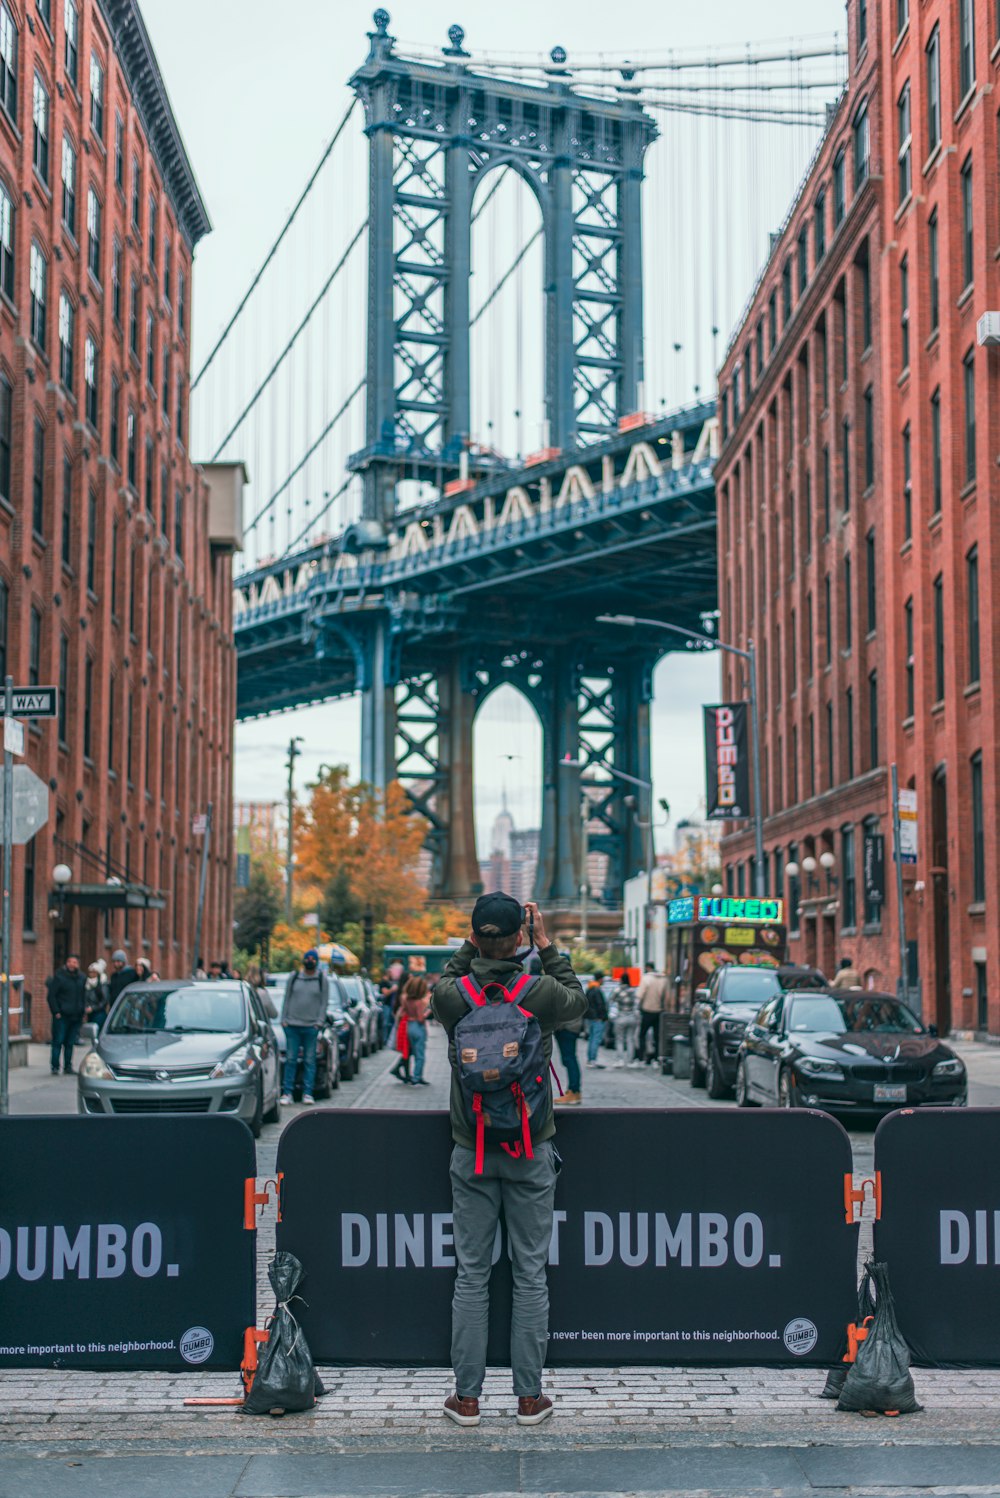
584, 849
202, 877
293, 753
903, 986
8, 841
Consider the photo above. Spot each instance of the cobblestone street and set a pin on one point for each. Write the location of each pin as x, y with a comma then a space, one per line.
669, 1430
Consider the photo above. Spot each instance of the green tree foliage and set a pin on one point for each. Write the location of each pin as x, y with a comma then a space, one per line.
257, 908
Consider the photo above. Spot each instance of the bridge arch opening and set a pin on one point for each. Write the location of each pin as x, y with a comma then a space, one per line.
507, 790
507, 314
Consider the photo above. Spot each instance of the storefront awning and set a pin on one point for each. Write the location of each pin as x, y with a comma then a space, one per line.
117, 896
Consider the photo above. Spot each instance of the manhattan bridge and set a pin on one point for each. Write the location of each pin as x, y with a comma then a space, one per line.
447, 493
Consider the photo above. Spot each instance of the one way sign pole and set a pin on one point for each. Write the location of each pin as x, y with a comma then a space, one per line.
8, 840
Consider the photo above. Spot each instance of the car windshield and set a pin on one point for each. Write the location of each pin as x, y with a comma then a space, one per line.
751, 986
211, 1010
352, 987
852, 1013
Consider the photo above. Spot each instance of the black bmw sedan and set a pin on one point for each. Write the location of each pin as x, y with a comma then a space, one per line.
846, 1051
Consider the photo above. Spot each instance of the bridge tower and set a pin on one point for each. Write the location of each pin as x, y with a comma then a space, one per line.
434, 129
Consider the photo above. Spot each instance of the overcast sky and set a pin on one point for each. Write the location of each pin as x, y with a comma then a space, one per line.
256, 99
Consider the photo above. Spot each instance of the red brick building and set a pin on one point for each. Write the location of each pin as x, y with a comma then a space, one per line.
115, 548
859, 545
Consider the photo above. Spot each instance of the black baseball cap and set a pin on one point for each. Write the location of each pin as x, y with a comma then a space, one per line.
497, 914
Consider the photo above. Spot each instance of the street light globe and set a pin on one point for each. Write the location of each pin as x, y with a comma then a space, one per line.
716, 889
827, 860
792, 869
809, 864
62, 874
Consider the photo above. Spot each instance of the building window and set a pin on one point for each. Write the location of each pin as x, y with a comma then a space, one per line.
69, 185
848, 606
872, 720
115, 438
848, 877
809, 635
939, 638
872, 908
96, 96
116, 283
6, 243
904, 131
150, 352
870, 579
88, 707
34, 647
972, 606
28, 921
907, 622
133, 318
828, 617
67, 319
71, 21
119, 151
91, 542
153, 210
819, 227
864, 276
966, 47
164, 498
6, 435
112, 736
826, 491
803, 257
165, 382
40, 124
760, 347
38, 276
129, 727
933, 56
966, 222
841, 300
932, 270
845, 457
94, 234
167, 259
862, 25
969, 381
831, 774
978, 833
907, 486
902, 15
63, 719
786, 293
114, 568
861, 147
904, 311
91, 380
849, 708
136, 191
772, 320
149, 475
67, 511
38, 481
180, 408
839, 190
131, 592
8, 62
869, 414
936, 451
178, 545
130, 445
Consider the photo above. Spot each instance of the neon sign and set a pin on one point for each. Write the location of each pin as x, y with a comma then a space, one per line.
727, 908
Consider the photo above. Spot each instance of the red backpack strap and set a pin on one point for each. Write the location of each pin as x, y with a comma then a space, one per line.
477, 1108
472, 993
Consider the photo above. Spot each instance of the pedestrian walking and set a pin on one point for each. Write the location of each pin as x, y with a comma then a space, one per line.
567, 1039
388, 994
414, 1008
122, 974
626, 1023
515, 1015
652, 997
66, 994
597, 1020
97, 993
847, 975
307, 997
144, 972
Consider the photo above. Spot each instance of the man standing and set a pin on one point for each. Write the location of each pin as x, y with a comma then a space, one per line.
66, 992
522, 1188
121, 976
307, 996
847, 975
652, 996
597, 1020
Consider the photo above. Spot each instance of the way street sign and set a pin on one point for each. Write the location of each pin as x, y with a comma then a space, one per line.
31, 803
13, 736
198, 825
36, 702
908, 826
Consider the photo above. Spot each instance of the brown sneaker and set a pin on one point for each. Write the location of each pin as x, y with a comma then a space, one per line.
532, 1409
568, 1099
462, 1411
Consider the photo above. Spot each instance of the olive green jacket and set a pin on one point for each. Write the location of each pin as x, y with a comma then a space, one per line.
555, 999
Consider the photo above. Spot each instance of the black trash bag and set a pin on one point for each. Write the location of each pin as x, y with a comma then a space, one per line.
866, 1307
879, 1380
285, 1381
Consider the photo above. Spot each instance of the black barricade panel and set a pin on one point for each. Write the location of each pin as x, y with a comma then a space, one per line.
122, 1242
679, 1236
939, 1231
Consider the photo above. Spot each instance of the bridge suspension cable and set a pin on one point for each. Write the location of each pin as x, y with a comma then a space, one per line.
289, 221
252, 525
499, 285
303, 533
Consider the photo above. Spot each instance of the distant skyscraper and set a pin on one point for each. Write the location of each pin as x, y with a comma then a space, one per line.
513, 857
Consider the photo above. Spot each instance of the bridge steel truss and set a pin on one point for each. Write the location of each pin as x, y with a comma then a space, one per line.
434, 131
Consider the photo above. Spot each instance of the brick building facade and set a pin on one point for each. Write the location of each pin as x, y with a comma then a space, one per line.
115, 549
859, 544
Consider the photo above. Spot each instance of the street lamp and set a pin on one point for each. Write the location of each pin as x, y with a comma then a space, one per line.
293, 753
750, 656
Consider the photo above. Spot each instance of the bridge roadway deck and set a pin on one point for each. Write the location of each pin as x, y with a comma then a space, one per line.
703, 1433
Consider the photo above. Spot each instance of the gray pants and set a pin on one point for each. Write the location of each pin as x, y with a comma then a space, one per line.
525, 1189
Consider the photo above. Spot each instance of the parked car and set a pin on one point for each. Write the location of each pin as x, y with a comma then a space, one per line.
364, 1010
846, 1051
344, 1025
723, 1008
184, 1046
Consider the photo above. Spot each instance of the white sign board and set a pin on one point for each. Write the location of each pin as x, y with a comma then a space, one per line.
31, 803
13, 736
198, 825
908, 826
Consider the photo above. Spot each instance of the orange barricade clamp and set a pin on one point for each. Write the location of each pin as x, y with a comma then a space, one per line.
859, 1195
855, 1336
252, 1198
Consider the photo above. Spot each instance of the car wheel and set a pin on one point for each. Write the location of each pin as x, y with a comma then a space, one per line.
347, 1068
257, 1121
743, 1098
335, 1077
322, 1090
788, 1093
697, 1070
713, 1075
273, 1114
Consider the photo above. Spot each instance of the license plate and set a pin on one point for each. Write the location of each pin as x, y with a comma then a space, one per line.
884, 1094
